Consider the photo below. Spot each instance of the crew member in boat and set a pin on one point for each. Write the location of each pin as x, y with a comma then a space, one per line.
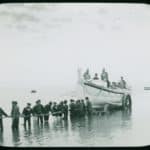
86, 75
96, 77
104, 77
83, 108
54, 109
122, 83
60, 108
2, 113
27, 111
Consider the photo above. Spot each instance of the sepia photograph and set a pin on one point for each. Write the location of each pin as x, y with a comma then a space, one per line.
74, 74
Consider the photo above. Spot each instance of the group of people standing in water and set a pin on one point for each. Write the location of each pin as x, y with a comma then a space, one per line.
76, 108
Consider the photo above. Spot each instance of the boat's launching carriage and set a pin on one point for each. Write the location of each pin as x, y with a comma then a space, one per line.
105, 98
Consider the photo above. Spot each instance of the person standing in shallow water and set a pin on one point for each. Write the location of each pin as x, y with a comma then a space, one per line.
65, 110
1, 119
47, 109
27, 111
88, 106
15, 114
104, 77
83, 108
38, 111
72, 108
60, 108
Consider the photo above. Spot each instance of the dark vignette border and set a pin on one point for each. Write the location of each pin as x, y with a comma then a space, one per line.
145, 147
76, 1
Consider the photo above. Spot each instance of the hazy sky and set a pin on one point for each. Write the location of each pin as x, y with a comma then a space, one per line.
44, 44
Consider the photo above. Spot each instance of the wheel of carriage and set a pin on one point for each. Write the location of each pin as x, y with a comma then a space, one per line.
127, 102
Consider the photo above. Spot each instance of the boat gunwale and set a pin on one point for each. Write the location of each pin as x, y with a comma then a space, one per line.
102, 88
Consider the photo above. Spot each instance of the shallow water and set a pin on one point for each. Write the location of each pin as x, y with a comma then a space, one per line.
118, 128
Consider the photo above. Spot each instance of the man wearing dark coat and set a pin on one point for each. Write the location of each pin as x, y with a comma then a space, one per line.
2, 113
15, 114
65, 110
72, 108
83, 108
88, 106
38, 110
27, 111
47, 110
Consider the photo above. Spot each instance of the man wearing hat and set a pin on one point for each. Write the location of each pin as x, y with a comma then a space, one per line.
27, 111
47, 110
1, 119
65, 110
38, 110
15, 114
88, 106
72, 108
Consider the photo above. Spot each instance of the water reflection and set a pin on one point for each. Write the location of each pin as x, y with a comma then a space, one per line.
46, 126
16, 137
1, 137
87, 130
126, 114
66, 125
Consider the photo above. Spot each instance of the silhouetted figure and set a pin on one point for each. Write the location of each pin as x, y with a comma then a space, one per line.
72, 108
96, 77
2, 113
88, 106
77, 109
27, 111
60, 108
38, 111
65, 110
47, 110
55, 109
15, 113
104, 75
83, 107
114, 85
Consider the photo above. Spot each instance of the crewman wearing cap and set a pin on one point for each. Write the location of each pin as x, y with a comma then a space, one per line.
15, 114
27, 111
72, 108
88, 106
65, 110
38, 110
47, 110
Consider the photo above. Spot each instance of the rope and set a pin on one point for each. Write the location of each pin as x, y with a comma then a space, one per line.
25, 116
